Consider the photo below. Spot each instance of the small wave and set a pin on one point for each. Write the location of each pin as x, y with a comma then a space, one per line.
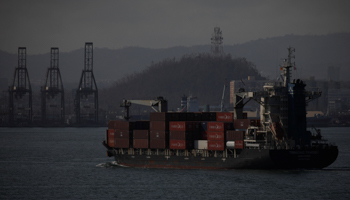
110, 164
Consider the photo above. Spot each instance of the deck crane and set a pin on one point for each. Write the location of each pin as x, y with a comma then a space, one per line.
159, 101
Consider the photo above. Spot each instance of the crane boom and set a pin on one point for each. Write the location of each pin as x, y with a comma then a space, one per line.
160, 102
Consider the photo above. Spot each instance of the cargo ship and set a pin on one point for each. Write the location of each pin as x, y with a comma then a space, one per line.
226, 140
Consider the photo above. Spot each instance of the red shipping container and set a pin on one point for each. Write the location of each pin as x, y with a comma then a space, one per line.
158, 135
239, 144
159, 125
141, 143
159, 116
141, 134
234, 135
180, 144
216, 145
110, 133
157, 143
224, 117
121, 143
122, 134
219, 126
241, 123
181, 126
113, 124
126, 125
110, 142
218, 136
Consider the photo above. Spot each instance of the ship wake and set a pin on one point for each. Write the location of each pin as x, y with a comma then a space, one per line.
110, 165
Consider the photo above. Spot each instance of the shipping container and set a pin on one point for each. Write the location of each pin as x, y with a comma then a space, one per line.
234, 135
201, 144
141, 143
113, 124
125, 125
204, 126
241, 123
204, 135
122, 143
224, 117
219, 126
141, 134
110, 142
110, 133
154, 134
245, 115
181, 126
184, 135
239, 144
216, 135
180, 144
208, 116
159, 125
159, 116
197, 116
230, 144
122, 134
197, 126
216, 145
189, 116
158, 144
141, 125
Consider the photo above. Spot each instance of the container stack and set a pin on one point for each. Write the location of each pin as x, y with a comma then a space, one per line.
182, 134
214, 131
120, 133
123, 134
159, 130
182, 131
234, 139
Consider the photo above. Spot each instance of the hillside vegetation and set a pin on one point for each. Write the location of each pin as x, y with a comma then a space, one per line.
201, 75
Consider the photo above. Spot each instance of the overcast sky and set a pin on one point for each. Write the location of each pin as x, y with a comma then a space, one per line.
42, 24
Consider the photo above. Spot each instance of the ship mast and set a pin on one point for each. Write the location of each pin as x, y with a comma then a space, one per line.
287, 65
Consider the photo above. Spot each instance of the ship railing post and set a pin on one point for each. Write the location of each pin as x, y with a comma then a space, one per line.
234, 153
157, 152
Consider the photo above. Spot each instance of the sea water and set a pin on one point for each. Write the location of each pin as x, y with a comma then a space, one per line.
71, 163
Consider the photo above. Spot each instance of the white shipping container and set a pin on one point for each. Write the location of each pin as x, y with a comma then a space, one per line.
230, 144
201, 144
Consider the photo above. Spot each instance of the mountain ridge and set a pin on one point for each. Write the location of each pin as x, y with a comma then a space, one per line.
314, 53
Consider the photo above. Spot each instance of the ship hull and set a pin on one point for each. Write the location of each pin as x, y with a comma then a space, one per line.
247, 159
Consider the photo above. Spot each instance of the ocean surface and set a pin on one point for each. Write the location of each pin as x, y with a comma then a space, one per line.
71, 163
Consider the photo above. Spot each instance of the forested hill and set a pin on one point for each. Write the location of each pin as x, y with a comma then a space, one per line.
201, 75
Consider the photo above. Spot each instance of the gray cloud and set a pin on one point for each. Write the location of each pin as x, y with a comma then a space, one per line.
41, 24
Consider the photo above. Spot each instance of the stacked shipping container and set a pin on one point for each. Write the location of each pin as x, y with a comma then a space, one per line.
159, 130
206, 130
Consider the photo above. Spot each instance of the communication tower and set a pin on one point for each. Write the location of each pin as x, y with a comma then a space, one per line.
50, 110
20, 110
216, 42
86, 98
